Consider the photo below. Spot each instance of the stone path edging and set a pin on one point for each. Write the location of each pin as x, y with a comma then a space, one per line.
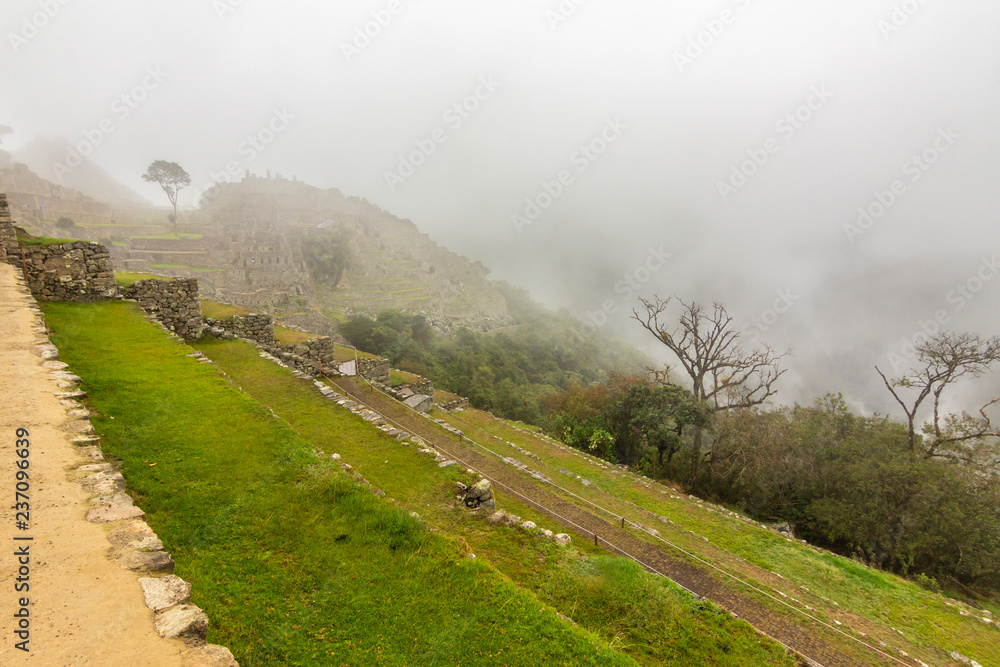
135, 547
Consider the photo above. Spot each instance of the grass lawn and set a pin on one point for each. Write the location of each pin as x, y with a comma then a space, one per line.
294, 562
42, 240
871, 601
398, 378
181, 236
221, 311
650, 619
127, 278
285, 336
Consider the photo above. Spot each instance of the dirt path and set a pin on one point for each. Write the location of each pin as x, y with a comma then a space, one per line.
586, 525
83, 609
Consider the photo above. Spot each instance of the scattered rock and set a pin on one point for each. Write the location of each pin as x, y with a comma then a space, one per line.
529, 525
480, 494
563, 539
784, 528
165, 591
497, 516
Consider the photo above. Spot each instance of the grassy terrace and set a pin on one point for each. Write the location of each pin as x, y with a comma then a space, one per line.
42, 240
180, 236
126, 278
221, 311
838, 589
398, 378
647, 618
294, 562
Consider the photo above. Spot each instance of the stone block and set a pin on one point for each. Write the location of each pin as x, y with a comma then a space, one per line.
184, 621
147, 561
114, 513
164, 592
209, 655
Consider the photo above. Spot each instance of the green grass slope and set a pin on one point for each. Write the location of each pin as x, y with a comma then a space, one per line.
295, 563
646, 617
864, 603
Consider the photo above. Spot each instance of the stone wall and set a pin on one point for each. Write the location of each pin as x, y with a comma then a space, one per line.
8, 237
75, 271
374, 370
457, 404
320, 350
258, 328
173, 302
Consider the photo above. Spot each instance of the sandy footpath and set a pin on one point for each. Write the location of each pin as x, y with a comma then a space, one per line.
84, 609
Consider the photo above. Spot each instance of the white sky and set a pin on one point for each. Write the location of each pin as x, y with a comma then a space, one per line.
227, 68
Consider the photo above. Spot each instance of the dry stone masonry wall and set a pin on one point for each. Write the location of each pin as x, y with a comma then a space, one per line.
75, 271
8, 237
374, 370
319, 350
174, 303
258, 328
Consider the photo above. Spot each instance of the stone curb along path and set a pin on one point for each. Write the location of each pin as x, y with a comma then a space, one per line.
131, 545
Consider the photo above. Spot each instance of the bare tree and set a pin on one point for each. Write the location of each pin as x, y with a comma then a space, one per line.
723, 374
941, 361
171, 177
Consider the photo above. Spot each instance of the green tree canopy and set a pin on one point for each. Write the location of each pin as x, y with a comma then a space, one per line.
172, 178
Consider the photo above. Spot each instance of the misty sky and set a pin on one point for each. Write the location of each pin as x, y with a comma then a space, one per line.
738, 136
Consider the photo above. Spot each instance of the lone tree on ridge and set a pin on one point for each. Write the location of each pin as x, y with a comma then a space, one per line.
171, 177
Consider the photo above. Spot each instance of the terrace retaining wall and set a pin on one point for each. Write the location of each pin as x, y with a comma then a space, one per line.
174, 303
